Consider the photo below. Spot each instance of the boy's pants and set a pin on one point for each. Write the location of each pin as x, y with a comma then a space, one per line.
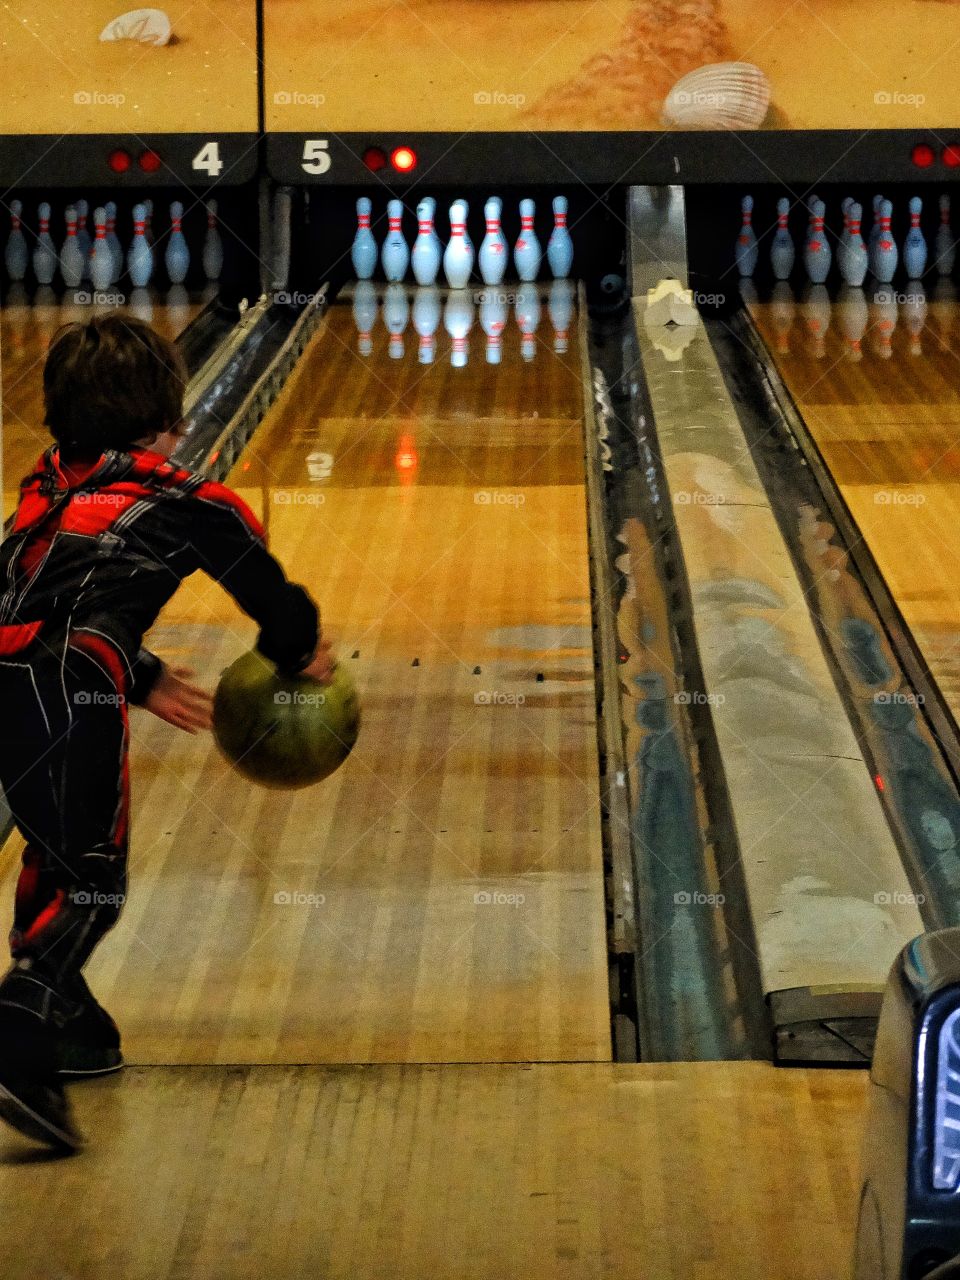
63, 770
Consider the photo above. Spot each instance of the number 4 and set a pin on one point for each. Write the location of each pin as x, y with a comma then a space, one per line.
316, 156
208, 159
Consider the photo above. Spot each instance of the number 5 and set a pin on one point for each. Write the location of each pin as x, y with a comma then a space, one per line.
316, 156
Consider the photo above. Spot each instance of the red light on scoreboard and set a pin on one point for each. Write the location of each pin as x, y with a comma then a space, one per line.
922, 155
375, 158
403, 159
119, 160
951, 155
150, 162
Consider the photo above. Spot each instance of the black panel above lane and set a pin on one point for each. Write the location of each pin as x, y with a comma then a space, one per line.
154, 159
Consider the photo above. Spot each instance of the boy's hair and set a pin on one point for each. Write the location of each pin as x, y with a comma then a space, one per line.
110, 381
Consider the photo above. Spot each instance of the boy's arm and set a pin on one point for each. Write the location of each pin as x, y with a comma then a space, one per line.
230, 547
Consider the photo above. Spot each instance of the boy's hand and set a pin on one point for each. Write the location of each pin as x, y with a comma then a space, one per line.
321, 665
173, 698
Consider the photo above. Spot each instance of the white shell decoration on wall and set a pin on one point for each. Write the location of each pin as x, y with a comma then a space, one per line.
148, 26
723, 95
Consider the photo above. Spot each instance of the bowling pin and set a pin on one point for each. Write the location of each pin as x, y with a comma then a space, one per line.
853, 314
396, 314
493, 321
782, 252
852, 256
426, 320
458, 321
527, 307
746, 251
560, 310
915, 314
71, 259
44, 253
526, 252
493, 249
883, 308
816, 315
782, 312
148, 230
101, 256
395, 254
177, 256
883, 261
816, 252
83, 236
15, 254
364, 314
140, 255
915, 246
944, 246
560, 245
426, 254
212, 245
113, 240
457, 257
363, 255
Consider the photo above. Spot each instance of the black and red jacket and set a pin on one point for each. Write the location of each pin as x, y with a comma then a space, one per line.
104, 545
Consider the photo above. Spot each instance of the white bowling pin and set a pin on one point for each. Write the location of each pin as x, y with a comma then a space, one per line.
212, 244
457, 257
101, 255
113, 240
177, 256
15, 255
395, 254
884, 258
71, 259
140, 255
747, 251
458, 321
396, 314
526, 252
492, 260
83, 235
44, 253
364, 314
426, 320
493, 321
915, 246
527, 307
560, 310
426, 253
782, 252
363, 255
944, 246
816, 252
852, 256
560, 245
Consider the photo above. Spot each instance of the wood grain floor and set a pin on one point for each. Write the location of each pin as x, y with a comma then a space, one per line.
720, 1171
888, 426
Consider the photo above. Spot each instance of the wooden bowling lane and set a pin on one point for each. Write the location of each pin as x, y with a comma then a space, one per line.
26, 327
440, 898
884, 410
546, 1172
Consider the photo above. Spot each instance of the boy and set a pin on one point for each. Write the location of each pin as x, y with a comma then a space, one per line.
106, 530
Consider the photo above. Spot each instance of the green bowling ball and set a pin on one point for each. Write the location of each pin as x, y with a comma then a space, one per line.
284, 731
